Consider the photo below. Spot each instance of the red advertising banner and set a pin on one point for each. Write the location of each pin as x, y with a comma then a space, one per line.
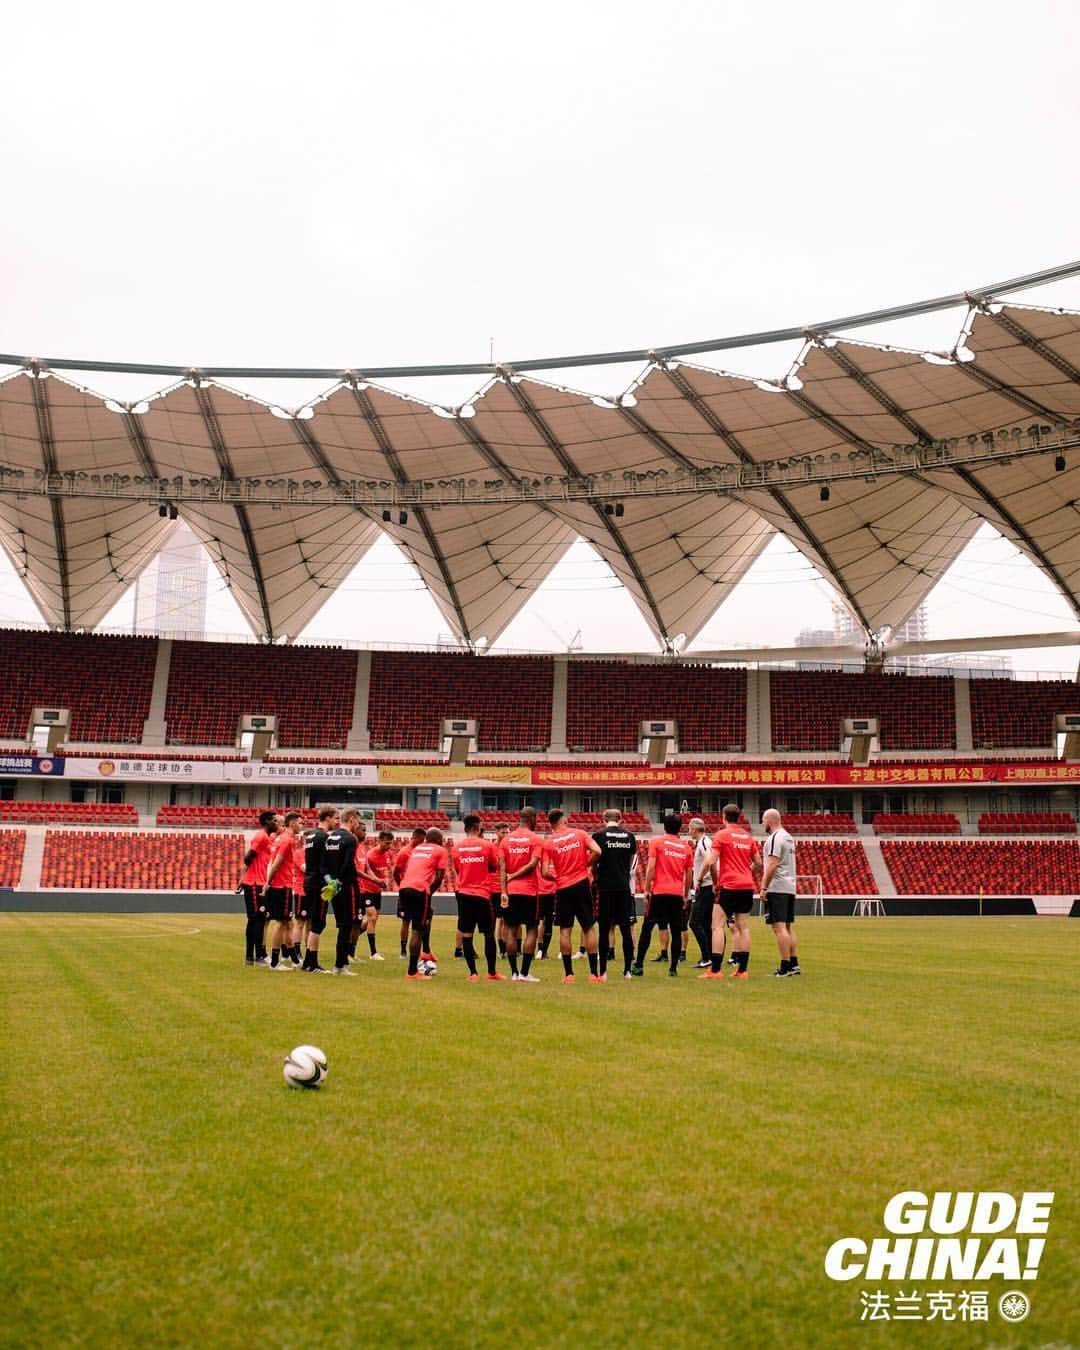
935, 773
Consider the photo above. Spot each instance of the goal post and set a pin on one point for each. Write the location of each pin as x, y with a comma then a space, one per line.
809, 883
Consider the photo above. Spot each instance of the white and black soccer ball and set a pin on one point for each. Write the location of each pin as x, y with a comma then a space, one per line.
305, 1067
428, 967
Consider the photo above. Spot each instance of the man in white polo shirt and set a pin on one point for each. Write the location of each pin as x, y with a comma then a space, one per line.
778, 891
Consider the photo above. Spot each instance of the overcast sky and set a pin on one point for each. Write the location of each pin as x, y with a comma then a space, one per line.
351, 185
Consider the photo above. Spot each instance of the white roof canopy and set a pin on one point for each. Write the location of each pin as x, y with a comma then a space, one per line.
883, 544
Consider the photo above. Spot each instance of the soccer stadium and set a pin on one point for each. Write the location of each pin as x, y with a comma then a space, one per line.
798, 1051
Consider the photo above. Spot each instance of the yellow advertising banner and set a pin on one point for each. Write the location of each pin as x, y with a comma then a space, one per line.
445, 775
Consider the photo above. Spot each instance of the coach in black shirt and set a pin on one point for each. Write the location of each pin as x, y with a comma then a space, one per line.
339, 855
614, 883
313, 913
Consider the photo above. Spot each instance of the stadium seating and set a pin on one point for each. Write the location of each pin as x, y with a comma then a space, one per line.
1006, 713
606, 701
712, 820
69, 813
962, 867
914, 712
490, 819
387, 819
228, 817
411, 693
12, 843
311, 691
142, 860
1026, 822
594, 820
841, 864
836, 822
106, 682
936, 822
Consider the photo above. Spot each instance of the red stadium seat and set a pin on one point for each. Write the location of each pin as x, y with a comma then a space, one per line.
411, 693
606, 701
1020, 713
311, 691
141, 860
962, 867
12, 844
1026, 822
915, 712
106, 682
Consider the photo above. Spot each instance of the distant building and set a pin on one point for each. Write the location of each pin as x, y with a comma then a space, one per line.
170, 596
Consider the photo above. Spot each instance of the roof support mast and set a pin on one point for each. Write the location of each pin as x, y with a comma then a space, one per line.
374, 421
221, 453
48, 459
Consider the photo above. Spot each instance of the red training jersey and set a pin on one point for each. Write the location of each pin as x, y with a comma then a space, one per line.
476, 866
735, 849
518, 847
424, 861
401, 861
543, 886
672, 858
255, 872
379, 860
298, 864
282, 847
569, 853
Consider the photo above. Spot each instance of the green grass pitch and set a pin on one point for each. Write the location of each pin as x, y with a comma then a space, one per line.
649, 1163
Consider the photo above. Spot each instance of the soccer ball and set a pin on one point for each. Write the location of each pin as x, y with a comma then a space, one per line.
305, 1067
428, 967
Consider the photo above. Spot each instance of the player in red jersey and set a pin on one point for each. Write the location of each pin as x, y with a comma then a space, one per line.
296, 926
420, 879
253, 884
501, 831
400, 863
667, 886
734, 860
569, 854
545, 889
520, 901
279, 886
373, 867
475, 863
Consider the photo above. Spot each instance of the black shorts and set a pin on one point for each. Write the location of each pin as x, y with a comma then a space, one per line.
779, 907
575, 903
279, 904
735, 902
667, 911
523, 911
316, 913
616, 908
344, 904
547, 908
474, 911
371, 900
253, 903
414, 906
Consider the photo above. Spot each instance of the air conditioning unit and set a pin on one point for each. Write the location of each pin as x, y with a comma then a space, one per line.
48, 728
257, 734
658, 738
1067, 735
458, 739
859, 739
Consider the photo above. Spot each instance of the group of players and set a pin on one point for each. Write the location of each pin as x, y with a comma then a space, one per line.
516, 891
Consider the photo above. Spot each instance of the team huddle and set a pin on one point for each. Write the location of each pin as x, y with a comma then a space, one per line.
516, 891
